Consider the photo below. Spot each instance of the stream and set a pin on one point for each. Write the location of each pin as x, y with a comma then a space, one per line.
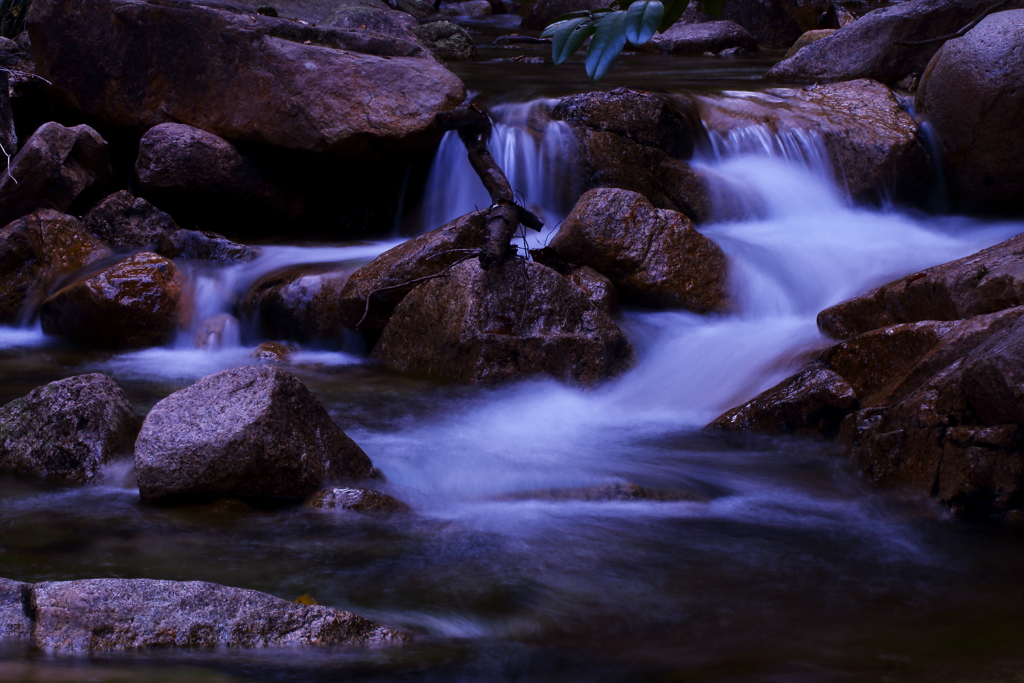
775, 561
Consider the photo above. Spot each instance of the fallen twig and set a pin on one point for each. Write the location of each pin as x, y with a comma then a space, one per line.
369, 296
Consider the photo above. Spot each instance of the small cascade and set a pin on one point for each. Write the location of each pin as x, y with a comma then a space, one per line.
536, 154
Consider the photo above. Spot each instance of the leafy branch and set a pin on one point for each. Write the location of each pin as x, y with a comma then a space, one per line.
623, 22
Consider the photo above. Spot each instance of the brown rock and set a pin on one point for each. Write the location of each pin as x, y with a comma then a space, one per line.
511, 322
36, 252
448, 42
65, 431
598, 288
52, 169
981, 283
355, 499
708, 36
871, 142
272, 351
132, 304
807, 38
199, 245
993, 377
299, 302
250, 432
383, 281
813, 401
14, 615
238, 75
972, 93
130, 223
134, 614
868, 47
654, 257
180, 165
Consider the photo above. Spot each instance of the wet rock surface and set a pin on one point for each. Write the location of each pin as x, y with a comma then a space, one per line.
991, 280
696, 39
14, 619
808, 38
870, 48
448, 42
200, 245
134, 303
388, 279
65, 431
515, 321
607, 493
53, 167
355, 499
972, 94
127, 222
251, 432
96, 615
299, 303
654, 257
36, 252
871, 142
240, 75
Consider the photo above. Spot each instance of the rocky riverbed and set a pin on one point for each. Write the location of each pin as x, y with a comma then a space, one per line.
753, 388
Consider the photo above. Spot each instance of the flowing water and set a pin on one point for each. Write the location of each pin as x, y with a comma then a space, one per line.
773, 561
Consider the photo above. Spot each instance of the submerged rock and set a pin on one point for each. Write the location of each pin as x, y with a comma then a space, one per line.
134, 303
515, 321
991, 280
653, 257
65, 431
972, 94
251, 432
95, 615
371, 294
299, 303
14, 619
355, 499
871, 46
620, 492
872, 143
36, 252
240, 75
52, 169
708, 36
272, 351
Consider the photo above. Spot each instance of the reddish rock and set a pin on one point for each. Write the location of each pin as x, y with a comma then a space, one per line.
972, 93
384, 282
597, 287
512, 322
653, 257
132, 304
869, 47
240, 75
52, 169
981, 283
872, 143
36, 252
299, 303
127, 222
813, 401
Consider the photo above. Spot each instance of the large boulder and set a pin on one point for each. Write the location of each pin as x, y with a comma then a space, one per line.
180, 166
872, 143
972, 93
65, 431
515, 321
14, 615
36, 252
134, 303
243, 76
52, 169
250, 432
130, 223
989, 281
654, 257
371, 294
299, 302
708, 36
95, 615
871, 47
638, 141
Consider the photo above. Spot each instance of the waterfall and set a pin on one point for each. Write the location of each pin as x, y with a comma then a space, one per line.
535, 153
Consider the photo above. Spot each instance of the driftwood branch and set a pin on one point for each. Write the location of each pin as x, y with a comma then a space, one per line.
965, 29
504, 215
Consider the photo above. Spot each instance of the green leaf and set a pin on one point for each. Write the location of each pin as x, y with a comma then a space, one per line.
642, 20
569, 38
673, 10
551, 28
609, 39
713, 7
